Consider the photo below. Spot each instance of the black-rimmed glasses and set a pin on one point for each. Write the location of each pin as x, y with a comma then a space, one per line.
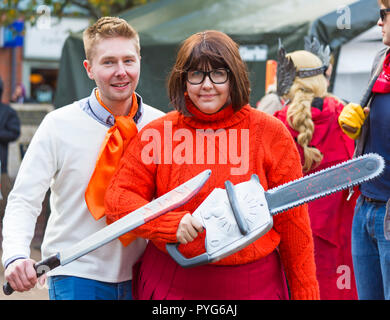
382, 13
217, 76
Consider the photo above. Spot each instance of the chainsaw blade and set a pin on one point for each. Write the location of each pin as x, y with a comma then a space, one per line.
324, 182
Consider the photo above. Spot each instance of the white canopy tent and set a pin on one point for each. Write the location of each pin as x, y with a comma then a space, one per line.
354, 64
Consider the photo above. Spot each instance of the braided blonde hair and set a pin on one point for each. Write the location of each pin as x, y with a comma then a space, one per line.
301, 95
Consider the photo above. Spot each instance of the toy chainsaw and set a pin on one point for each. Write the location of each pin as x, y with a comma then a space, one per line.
236, 216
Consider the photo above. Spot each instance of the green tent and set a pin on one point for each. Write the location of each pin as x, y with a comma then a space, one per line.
254, 24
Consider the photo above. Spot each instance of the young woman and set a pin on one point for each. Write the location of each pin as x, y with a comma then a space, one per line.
209, 88
312, 119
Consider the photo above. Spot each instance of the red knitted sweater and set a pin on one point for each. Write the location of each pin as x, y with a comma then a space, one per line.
256, 143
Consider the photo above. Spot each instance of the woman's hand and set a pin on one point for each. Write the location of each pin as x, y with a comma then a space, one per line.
188, 229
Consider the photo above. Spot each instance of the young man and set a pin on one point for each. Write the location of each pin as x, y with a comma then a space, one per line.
370, 126
62, 155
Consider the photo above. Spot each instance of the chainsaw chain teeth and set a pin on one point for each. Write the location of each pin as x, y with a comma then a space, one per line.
380, 168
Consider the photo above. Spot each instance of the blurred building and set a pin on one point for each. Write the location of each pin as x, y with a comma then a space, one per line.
31, 58
42, 51
11, 57
355, 63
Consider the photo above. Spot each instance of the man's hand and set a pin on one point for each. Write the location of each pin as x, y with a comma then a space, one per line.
21, 275
352, 118
188, 229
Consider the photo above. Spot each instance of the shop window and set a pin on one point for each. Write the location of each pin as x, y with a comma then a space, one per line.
43, 84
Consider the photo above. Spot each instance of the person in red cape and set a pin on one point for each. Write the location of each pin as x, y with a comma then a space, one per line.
209, 88
311, 116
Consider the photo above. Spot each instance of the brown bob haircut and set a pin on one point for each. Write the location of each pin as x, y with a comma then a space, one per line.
384, 2
202, 51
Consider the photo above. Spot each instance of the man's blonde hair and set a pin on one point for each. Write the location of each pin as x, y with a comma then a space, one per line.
108, 27
384, 2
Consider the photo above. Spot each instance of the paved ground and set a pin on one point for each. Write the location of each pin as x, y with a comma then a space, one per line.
37, 293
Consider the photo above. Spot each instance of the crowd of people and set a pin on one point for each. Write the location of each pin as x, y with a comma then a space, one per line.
97, 173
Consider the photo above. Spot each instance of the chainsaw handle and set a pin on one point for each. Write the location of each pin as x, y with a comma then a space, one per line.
173, 250
238, 215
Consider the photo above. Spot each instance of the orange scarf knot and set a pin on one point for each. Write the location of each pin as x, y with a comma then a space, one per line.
115, 142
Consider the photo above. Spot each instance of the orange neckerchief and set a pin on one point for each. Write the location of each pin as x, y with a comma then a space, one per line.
114, 144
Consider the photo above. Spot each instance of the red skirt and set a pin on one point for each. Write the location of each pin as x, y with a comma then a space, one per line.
334, 270
156, 276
